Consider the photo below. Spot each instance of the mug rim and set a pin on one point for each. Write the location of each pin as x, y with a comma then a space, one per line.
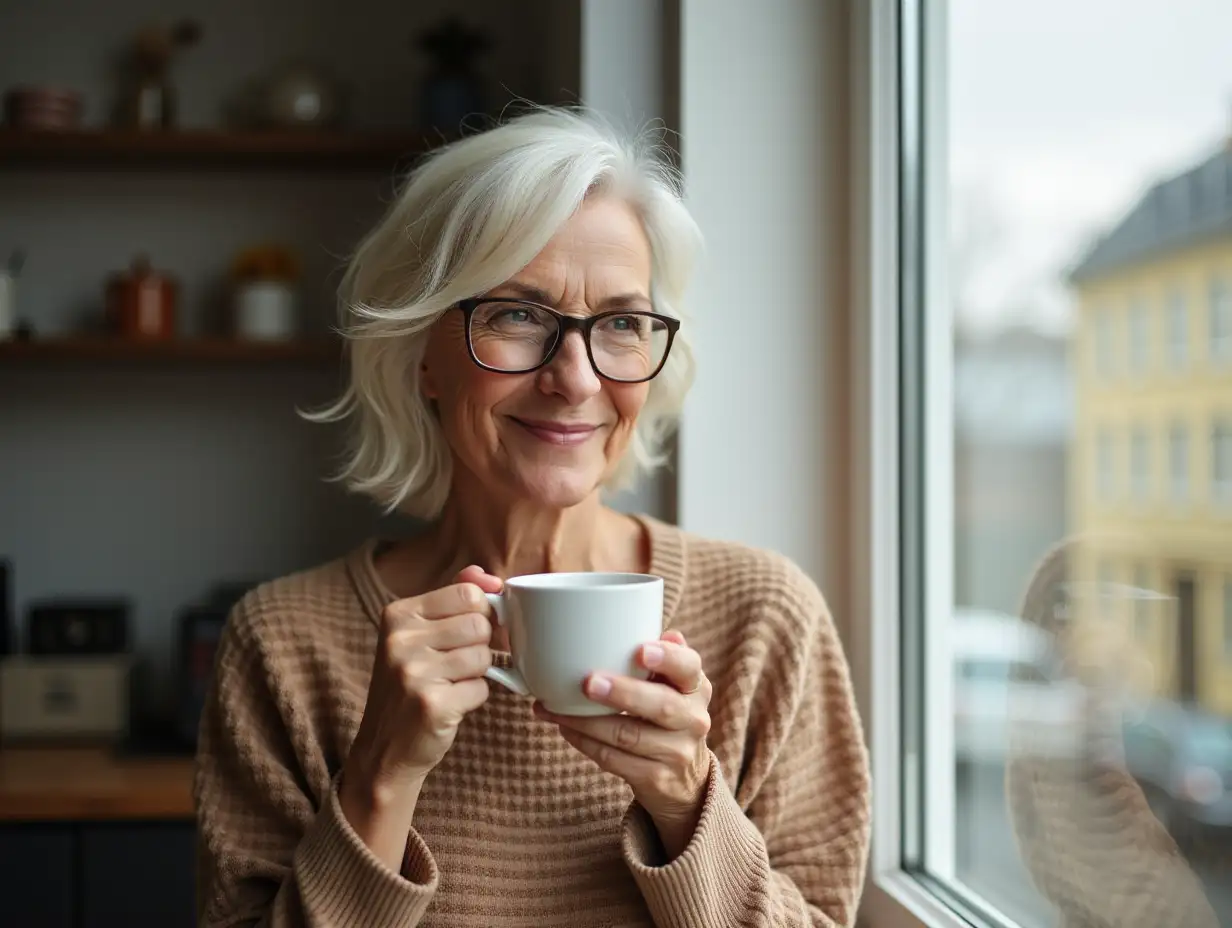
617, 580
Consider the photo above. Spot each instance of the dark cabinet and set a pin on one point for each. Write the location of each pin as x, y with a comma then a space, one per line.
36, 875
88, 875
137, 874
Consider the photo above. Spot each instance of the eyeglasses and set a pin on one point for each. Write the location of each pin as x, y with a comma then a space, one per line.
517, 337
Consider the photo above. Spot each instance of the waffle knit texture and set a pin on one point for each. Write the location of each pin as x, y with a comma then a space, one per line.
514, 827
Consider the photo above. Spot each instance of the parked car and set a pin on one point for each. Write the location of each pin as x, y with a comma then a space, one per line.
1182, 757
1004, 687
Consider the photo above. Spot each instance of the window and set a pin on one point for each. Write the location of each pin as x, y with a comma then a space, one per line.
1221, 321
988, 589
1178, 331
1227, 619
1139, 337
1105, 464
1105, 341
1221, 462
1178, 462
1140, 464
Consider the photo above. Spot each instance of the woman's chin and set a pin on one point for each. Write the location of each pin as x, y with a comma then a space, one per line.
559, 487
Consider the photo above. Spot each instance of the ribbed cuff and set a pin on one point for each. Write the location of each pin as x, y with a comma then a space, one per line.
722, 873
342, 883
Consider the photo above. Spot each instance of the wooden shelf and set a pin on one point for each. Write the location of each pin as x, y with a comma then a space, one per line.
266, 149
101, 348
66, 784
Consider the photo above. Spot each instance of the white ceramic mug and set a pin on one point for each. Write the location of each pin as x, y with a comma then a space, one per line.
563, 627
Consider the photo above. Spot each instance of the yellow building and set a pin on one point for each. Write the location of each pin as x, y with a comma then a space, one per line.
1151, 456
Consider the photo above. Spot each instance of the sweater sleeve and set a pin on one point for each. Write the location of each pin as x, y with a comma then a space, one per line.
787, 845
271, 849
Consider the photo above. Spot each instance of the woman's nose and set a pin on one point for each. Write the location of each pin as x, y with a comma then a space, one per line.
570, 373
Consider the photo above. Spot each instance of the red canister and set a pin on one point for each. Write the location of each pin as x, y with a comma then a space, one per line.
141, 302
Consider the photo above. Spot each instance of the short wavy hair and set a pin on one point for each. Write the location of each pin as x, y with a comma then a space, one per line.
469, 217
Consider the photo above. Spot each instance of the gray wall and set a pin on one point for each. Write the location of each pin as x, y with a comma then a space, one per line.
154, 482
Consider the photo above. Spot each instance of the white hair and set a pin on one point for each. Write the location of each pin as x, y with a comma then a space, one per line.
467, 219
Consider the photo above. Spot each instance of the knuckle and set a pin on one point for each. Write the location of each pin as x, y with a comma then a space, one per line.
407, 678
627, 733
662, 780
470, 596
701, 725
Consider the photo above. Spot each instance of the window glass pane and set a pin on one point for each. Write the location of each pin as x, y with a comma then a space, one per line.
1091, 626
1178, 330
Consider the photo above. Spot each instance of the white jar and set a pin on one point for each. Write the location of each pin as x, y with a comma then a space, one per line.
265, 311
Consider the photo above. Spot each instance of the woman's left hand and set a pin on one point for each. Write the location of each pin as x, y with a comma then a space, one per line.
659, 746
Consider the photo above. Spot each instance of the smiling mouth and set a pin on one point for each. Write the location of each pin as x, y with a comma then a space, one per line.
557, 433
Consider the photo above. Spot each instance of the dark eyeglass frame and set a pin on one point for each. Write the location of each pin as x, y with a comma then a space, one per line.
564, 325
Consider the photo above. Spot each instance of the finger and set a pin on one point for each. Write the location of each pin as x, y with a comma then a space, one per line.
476, 575
680, 666
654, 702
627, 733
629, 767
452, 600
463, 663
470, 694
458, 631
674, 636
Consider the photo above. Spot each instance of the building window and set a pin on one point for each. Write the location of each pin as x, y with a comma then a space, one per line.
1105, 464
1105, 341
1139, 337
1178, 462
1178, 331
1221, 321
1143, 602
1227, 619
1221, 461
1140, 464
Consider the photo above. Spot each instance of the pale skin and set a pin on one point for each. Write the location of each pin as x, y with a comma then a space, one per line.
525, 499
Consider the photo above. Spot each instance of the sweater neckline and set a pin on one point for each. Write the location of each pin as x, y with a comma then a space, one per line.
667, 560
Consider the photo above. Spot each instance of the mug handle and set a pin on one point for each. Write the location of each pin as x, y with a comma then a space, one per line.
509, 678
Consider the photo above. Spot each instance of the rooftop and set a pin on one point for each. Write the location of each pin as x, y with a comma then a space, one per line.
1184, 210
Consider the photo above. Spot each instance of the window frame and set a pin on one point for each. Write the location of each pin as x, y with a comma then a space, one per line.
896, 892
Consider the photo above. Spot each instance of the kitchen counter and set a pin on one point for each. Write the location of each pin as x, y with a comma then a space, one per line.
92, 784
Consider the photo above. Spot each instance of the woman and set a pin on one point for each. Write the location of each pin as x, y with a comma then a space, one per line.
516, 348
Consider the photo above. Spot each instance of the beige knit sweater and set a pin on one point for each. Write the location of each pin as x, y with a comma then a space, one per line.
515, 827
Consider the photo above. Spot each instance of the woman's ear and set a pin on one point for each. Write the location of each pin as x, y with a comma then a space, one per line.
427, 385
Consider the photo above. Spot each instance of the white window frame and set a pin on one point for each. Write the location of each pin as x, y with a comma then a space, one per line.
1105, 342
895, 896
1106, 471
1226, 623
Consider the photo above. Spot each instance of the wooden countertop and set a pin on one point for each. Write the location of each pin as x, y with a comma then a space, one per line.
92, 784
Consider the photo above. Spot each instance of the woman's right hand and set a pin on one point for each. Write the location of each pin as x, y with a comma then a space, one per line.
431, 655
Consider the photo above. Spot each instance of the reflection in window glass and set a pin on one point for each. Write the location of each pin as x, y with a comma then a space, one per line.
1090, 299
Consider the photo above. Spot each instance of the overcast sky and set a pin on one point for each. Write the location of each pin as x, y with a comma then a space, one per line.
1061, 113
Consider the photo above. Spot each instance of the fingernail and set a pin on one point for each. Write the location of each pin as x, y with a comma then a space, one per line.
599, 686
652, 655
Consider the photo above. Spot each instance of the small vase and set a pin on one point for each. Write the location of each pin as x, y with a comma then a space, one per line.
265, 310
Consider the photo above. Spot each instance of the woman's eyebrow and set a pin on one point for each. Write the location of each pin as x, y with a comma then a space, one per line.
536, 295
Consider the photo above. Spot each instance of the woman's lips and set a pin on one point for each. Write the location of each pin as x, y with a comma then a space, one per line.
557, 433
